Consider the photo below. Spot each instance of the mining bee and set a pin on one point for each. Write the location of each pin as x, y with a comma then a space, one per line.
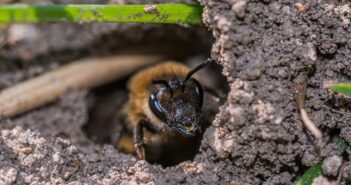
164, 114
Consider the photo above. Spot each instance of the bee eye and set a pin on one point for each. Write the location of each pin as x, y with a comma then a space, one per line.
156, 107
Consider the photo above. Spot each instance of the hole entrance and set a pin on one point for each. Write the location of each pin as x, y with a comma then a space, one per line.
106, 124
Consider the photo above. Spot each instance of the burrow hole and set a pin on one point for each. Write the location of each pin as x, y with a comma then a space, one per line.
106, 102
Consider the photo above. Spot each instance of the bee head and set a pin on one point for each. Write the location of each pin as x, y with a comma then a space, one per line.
178, 103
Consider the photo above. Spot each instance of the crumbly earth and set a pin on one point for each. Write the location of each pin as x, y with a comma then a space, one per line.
257, 138
265, 48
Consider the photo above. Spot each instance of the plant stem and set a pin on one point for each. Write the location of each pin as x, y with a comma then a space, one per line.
82, 74
300, 94
161, 13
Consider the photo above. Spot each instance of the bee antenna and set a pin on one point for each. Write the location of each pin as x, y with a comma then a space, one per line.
196, 69
163, 82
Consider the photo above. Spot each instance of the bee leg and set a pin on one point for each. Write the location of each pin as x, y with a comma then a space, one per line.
218, 97
138, 140
138, 137
123, 142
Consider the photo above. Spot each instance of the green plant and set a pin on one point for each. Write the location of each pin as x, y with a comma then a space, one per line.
310, 174
343, 88
160, 13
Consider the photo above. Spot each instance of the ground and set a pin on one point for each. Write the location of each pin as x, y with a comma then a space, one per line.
257, 137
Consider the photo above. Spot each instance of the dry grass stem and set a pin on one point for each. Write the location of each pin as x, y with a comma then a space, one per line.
83, 74
300, 94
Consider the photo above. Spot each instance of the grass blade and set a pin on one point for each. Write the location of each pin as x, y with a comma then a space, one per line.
161, 13
310, 174
343, 88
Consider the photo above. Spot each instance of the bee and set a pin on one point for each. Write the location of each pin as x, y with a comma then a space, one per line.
163, 113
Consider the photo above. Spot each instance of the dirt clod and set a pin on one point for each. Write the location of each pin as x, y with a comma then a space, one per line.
331, 165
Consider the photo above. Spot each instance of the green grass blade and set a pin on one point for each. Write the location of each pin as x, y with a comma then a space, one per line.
310, 174
344, 88
163, 13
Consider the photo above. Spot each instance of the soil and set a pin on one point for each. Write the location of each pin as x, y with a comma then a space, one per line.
256, 138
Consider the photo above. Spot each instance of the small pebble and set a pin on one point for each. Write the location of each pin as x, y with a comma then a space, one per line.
331, 165
26, 150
